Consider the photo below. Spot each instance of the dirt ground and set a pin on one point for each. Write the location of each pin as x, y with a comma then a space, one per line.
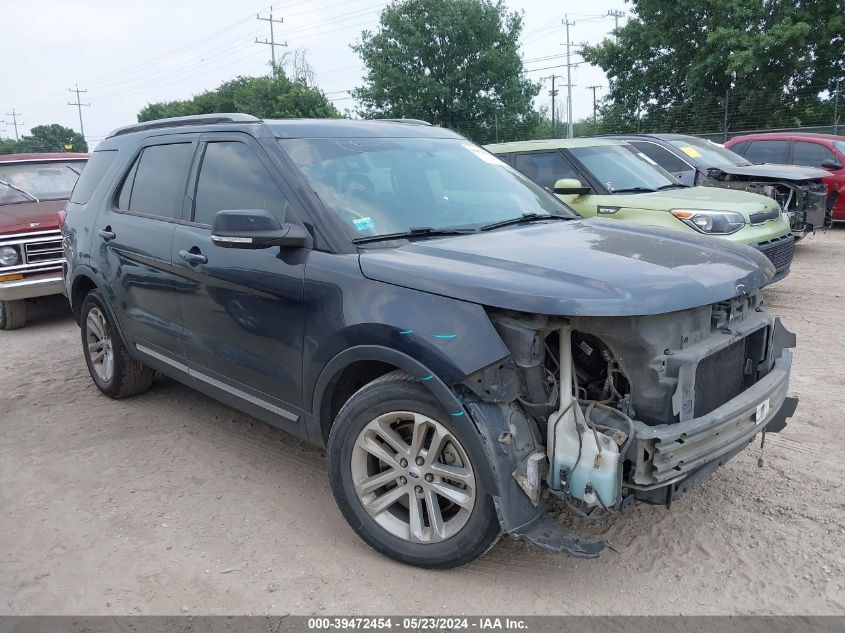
171, 503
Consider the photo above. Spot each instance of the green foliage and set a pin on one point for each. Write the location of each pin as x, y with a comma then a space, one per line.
275, 97
453, 63
45, 138
672, 68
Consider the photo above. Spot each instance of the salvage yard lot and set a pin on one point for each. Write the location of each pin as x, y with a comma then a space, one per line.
171, 503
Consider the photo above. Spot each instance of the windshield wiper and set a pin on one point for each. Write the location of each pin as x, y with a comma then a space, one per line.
418, 231
674, 185
19, 190
524, 218
634, 190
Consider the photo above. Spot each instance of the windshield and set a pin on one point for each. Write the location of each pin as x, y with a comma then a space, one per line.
621, 170
840, 145
708, 153
51, 180
381, 186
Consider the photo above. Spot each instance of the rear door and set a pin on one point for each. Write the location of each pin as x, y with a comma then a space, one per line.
133, 234
242, 309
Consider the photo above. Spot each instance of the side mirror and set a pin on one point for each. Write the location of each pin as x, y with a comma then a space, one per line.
830, 163
255, 228
570, 187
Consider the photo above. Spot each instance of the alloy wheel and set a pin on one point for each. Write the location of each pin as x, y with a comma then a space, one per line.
413, 477
100, 350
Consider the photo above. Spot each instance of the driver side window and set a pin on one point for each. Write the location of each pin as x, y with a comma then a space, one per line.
232, 177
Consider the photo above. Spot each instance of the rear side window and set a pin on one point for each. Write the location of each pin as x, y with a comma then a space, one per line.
767, 152
545, 168
662, 156
156, 183
232, 177
95, 169
810, 154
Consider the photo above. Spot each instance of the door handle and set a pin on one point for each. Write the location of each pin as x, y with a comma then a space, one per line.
193, 257
107, 234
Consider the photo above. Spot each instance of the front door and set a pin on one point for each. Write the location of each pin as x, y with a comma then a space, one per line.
547, 167
242, 309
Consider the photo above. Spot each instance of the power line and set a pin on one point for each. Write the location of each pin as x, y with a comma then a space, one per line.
15, 122
272, 43
79, 105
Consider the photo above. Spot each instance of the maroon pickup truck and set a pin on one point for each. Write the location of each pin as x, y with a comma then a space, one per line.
33, 189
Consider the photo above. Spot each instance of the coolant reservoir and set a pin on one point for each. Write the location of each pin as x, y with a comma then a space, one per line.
576, 452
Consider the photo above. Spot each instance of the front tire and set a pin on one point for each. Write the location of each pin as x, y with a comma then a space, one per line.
12, 314
112, 369
407, 479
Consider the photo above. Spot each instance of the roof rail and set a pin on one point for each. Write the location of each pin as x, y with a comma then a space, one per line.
196, 119
408, 121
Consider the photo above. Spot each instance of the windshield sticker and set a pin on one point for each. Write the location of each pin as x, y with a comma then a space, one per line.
486, 156
690, 151
362, 224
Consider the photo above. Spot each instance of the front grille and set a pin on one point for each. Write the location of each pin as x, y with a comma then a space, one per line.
43, 252
720, 377
779, 251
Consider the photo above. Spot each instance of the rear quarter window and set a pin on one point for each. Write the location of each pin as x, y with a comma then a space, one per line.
92, 174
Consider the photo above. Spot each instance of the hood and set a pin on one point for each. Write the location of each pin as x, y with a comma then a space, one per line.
25, 217
710, 198
575, 268
776, 172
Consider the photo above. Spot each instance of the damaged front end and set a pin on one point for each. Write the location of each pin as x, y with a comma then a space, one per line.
599, 412
805, 201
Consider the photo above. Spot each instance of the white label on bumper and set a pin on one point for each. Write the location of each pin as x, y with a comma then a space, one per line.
762, 410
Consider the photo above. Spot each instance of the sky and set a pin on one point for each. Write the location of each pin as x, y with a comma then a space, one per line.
128, 53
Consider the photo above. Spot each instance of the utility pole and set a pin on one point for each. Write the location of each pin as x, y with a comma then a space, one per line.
836, 109
615, 14
15, 122
570, 132
595, 119
272, 43
78, 103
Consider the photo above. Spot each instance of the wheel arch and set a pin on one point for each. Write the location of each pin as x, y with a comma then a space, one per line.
390, 360
373, 361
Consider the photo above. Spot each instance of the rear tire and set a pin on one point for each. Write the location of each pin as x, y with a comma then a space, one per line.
12, 314
407, 479
112, 369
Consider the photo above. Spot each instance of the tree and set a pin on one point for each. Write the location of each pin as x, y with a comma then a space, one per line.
275, 97
45, 138
770, 63
454, 63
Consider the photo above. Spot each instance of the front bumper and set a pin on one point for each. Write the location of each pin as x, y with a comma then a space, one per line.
32, 287
668, 452
779, 251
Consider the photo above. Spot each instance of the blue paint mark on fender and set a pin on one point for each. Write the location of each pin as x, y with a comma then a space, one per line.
458, 414
445, 336
406, 332
429, 377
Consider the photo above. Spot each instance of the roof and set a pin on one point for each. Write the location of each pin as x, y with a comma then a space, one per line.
554, 143
665, 136
784, 135
295, 128
20, 158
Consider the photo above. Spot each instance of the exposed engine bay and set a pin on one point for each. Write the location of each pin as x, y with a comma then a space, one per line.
805, 201
613, 410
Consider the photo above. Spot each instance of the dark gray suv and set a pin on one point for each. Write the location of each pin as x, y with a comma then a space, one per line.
468, 349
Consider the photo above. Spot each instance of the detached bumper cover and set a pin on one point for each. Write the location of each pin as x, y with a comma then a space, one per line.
31, 287
670, 451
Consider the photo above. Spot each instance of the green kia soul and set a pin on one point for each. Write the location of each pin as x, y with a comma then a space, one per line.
606, 178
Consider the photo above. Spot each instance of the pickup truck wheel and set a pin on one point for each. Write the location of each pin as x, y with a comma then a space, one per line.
406, 479
12, 314
113, 370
